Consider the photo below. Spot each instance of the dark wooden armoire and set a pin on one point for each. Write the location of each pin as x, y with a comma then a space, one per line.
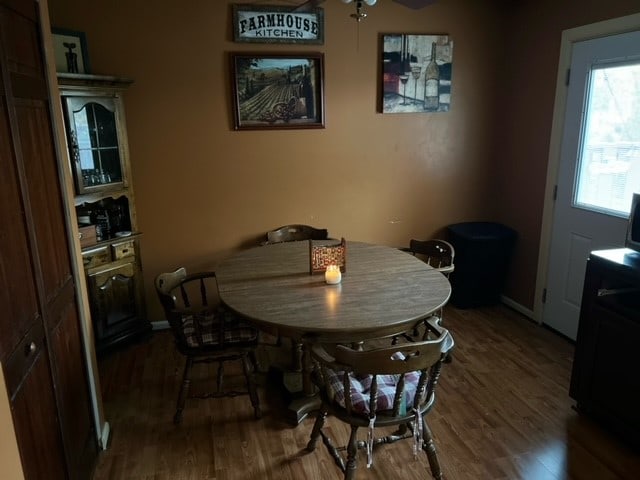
41, 348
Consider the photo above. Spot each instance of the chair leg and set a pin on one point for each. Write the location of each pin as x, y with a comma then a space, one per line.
352, 450
220, 376
249, 368
317, 427
430, 449
254, 361
184, 391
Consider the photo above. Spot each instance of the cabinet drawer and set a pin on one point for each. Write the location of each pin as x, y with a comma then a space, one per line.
123, 249
96, 256
87, 235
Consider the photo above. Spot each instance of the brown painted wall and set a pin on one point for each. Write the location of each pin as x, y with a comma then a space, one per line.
204, 190
523, 130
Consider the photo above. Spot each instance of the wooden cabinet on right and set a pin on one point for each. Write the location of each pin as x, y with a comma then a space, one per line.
605, 381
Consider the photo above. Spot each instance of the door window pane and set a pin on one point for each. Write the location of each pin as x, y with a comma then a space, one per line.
609, 164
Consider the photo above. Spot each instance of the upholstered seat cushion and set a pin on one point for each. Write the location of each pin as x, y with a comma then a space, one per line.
361, 389
214, 332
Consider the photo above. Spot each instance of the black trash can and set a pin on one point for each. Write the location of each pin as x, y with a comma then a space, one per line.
483, 252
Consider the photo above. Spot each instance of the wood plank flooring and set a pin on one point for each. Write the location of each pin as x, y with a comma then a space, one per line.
502, 412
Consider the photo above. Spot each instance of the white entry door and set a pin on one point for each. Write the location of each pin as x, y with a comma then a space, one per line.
599, 168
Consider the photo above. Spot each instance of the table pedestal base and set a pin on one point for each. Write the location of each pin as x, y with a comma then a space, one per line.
300, 407
295, 404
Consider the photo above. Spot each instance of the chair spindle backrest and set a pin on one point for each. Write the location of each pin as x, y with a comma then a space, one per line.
438, 253
423, 358
293, 233
189, 297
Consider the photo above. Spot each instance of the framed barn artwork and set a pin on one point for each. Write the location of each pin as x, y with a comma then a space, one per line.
277, 91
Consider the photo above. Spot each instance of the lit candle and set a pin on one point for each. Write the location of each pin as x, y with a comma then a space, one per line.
332, 275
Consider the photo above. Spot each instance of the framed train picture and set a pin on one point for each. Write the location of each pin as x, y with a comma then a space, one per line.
277, 91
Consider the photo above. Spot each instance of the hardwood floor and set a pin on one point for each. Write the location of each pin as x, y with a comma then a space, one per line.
502, 412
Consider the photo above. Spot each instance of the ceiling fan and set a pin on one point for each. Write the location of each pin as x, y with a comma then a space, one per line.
309, 5
359, 15
415, 4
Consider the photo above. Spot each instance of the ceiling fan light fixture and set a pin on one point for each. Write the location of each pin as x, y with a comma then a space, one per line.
360, 14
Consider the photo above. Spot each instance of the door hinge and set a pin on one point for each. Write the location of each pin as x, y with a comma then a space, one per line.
544, 295
568, 77
555, 192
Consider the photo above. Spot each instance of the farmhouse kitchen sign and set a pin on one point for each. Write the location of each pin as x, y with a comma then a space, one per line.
275, 24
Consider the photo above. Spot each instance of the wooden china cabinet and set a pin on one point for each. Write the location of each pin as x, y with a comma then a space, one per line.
105, 205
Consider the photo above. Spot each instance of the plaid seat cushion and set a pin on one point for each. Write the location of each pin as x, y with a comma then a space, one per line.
214, 332
361, 390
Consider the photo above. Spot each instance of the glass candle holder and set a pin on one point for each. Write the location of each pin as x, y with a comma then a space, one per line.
332, 275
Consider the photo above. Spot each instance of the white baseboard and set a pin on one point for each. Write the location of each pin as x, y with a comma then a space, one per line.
104, 438
160, 325
517, 307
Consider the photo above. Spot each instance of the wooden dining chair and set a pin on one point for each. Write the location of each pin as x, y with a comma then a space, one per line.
294, 233
204, 332
440, 255
389, 386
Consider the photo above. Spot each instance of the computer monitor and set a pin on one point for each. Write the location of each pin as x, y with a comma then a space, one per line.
633, 227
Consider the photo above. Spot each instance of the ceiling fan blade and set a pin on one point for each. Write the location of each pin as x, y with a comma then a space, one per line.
416, 4
308, 5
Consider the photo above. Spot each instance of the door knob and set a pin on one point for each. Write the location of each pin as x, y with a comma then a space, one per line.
29, 349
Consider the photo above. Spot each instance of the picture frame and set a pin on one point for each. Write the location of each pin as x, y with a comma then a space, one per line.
277, 90
277, 24
71, 52
416, 73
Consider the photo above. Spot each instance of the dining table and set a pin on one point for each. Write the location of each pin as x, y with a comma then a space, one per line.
383, 292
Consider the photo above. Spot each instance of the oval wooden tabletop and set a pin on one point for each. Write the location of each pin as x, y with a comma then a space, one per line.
384, 291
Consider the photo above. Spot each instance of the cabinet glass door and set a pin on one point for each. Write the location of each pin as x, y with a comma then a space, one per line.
93, 143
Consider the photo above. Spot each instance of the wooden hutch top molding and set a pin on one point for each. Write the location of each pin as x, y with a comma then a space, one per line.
85, 81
